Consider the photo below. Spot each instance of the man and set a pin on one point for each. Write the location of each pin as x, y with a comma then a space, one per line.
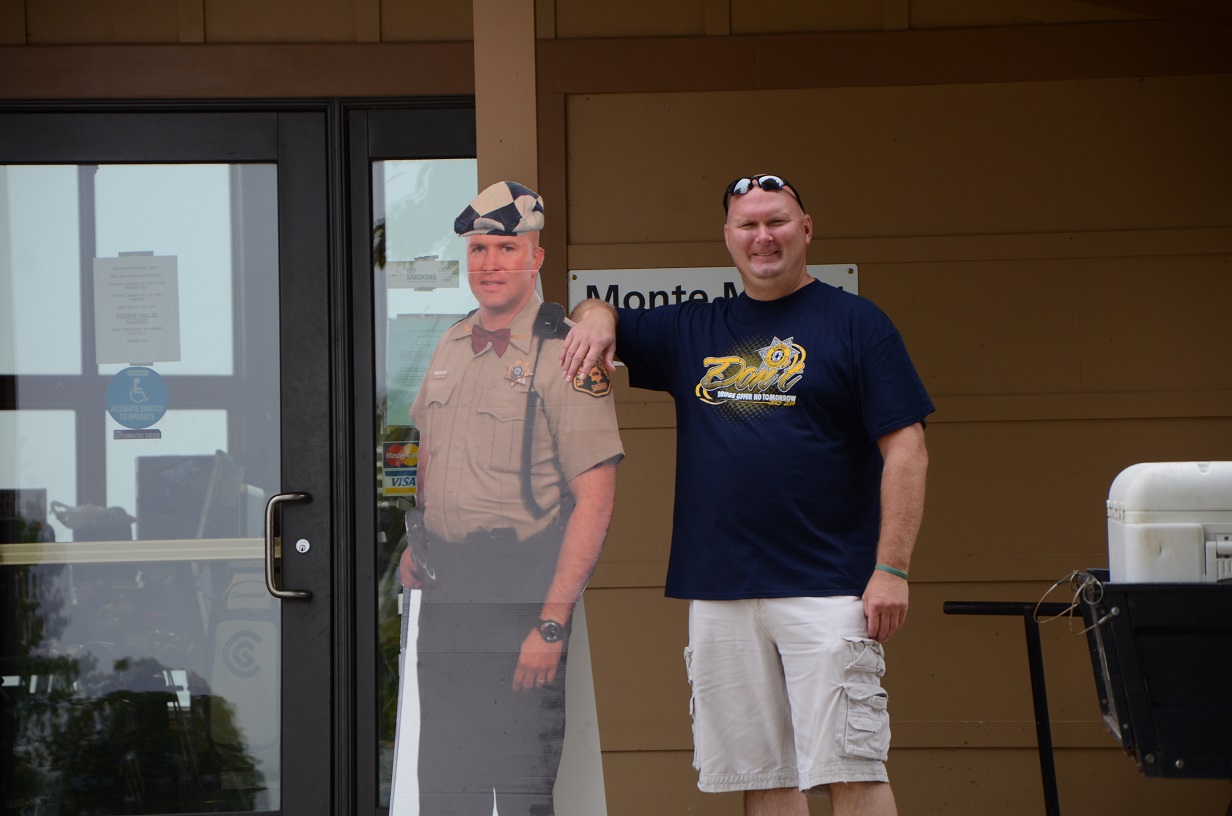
517, 477
799, 493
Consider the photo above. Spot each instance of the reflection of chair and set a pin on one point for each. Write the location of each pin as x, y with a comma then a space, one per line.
244, 668
204, 497
244, 664
230, 507
243, 623
195, 496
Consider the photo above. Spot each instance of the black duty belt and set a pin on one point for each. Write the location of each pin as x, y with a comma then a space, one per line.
501, 536
493, 565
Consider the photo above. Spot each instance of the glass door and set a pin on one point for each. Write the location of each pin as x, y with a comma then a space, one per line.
165, 470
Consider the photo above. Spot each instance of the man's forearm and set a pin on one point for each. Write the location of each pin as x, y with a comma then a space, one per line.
903, 478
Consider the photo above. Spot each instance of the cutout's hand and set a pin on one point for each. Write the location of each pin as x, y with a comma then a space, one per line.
408, 570
537, 662
411, 569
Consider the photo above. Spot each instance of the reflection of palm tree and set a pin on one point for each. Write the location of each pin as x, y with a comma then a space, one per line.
33, 615
378, 244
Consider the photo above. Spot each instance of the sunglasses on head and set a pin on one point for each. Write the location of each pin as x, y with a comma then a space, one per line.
770, 183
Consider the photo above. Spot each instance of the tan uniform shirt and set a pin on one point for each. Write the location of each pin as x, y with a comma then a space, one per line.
471, 412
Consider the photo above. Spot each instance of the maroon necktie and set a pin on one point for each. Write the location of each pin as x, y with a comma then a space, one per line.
480, 337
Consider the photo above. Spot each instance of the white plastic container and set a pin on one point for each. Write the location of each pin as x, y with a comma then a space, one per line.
1171, 522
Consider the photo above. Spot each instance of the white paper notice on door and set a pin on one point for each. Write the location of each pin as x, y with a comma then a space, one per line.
137, 309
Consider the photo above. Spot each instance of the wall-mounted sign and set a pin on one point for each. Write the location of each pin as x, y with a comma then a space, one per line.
410, 341
136, 309
647, 288
137, 397
424, 273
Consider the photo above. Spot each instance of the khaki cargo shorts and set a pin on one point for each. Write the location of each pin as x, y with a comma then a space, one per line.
786, 693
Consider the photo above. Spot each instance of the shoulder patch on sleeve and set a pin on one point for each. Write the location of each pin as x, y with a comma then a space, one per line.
596, 382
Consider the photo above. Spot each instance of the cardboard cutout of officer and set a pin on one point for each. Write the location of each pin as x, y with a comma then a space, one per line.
517, 478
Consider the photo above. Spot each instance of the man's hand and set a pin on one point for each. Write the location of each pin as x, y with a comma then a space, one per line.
537, 662
591, 341
885, 605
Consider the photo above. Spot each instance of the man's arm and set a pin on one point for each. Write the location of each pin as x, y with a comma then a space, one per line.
902, 510
591, 340
594, 492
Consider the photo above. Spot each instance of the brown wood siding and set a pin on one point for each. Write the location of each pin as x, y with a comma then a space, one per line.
1047, 238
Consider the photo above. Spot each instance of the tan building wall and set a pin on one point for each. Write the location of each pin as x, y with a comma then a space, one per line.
1035, 191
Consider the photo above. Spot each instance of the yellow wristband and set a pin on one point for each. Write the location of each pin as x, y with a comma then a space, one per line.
892, 571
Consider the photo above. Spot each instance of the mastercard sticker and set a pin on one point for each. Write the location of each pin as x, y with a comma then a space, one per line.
399, 454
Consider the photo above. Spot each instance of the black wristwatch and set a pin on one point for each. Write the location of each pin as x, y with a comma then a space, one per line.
550, 631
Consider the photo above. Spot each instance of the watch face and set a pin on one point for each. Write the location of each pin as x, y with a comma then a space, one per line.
550, 630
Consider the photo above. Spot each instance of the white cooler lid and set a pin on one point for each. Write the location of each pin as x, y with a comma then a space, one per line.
1157, 491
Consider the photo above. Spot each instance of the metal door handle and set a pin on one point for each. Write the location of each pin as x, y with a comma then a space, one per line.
270, 507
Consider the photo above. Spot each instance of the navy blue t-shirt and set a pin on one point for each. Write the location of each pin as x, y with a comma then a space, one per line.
779, 405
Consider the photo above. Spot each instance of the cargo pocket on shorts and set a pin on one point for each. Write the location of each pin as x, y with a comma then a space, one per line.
864, 655
688, 670
865, 728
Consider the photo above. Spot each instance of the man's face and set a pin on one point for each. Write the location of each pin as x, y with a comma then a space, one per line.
501, 270
767, 234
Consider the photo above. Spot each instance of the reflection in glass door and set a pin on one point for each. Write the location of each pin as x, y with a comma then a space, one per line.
418, 293
139, 441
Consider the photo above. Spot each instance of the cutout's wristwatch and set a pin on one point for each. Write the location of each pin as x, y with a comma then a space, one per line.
550, 631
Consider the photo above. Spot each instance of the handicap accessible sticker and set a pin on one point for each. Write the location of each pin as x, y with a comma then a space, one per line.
137, 397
